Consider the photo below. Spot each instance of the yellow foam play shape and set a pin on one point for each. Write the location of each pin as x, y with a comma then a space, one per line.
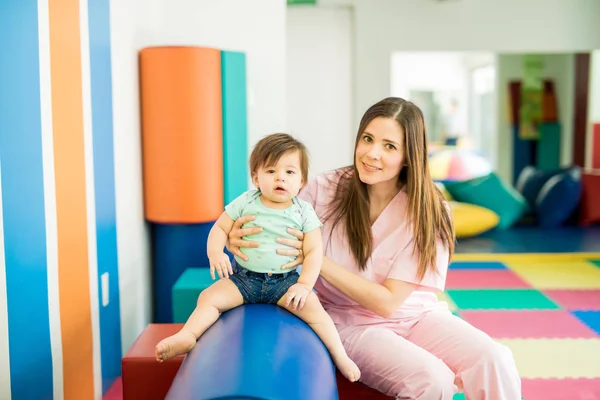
471, 220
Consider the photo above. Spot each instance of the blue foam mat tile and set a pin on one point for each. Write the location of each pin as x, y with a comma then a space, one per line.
590, 318
477, 265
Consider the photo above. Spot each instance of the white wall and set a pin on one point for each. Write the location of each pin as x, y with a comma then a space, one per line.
442, 73
319, 98
559, 68
256, 28
132, 232
435, 71
384, 26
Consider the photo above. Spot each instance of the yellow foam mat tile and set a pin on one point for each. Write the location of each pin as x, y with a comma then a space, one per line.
558, 275
443, 296
556, 358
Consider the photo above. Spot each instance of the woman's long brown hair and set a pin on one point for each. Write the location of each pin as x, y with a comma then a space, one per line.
429, 217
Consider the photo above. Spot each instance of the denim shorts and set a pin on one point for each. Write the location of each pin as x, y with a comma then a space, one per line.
262, 288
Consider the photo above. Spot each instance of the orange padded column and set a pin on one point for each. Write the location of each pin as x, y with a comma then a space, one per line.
181, 134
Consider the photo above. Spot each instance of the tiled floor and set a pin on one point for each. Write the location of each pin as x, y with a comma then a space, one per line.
545, 307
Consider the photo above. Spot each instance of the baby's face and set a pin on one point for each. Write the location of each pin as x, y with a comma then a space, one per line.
280, 182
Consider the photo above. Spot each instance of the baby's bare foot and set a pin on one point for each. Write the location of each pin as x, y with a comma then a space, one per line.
180, 343
348, 368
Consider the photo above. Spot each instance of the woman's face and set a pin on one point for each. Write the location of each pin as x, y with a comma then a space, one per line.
379, 155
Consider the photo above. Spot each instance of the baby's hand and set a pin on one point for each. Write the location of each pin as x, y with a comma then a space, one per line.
296, 296
222, 265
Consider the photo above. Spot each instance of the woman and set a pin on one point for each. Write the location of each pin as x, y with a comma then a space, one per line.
388, 240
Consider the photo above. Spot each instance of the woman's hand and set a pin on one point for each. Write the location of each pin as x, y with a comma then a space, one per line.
237, 233
296, 248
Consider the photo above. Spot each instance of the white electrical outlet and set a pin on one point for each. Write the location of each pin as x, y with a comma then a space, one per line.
104, 284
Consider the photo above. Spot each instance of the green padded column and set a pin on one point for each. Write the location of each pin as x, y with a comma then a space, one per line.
235, 125
186, 290
548, 147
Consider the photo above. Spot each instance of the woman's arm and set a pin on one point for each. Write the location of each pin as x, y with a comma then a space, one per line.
383, 300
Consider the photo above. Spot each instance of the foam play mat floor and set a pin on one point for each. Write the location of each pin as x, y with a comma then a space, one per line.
545, 307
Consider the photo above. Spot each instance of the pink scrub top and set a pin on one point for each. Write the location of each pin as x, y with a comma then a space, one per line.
392, 258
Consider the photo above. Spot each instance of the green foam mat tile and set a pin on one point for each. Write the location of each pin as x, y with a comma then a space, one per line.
461, 396
595, 262
513, 299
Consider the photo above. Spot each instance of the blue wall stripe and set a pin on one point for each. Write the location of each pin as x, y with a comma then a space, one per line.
104, 181
23, 202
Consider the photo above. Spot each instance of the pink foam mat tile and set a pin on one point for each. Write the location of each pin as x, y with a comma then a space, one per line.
523, 324
581, 300
484, 279
561, 389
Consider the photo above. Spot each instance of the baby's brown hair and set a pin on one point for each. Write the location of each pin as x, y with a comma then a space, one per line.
269, 150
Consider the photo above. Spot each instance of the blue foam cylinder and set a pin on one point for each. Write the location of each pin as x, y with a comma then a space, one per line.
257, 351
175, 248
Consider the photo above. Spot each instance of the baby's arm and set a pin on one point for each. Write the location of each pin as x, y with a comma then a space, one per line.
312, 247
217, 238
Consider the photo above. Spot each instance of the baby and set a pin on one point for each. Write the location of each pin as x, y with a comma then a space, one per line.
279, 168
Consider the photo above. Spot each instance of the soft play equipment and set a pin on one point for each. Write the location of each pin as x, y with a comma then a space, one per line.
589, 208
186, 291
444, 191
194, 123
175, 248
457, 164
182, 135
544, 152
471, 220
553, 196
235, 142
530, 182
596, 146
548, 146
490, 192
257, 351
144, 378
558, 198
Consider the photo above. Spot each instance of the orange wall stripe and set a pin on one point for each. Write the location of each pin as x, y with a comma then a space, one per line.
69, 164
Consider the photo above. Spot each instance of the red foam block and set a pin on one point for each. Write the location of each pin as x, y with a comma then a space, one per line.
357, 391
144, 378
528, 324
